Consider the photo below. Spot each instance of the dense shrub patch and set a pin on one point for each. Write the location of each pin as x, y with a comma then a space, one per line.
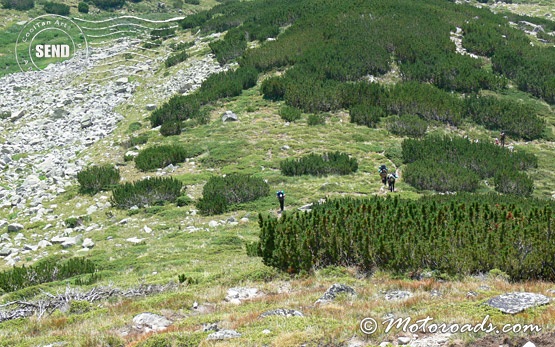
20, 5
108, 4
450, 162
463, 234
176, 58
97, 178
333, 163
512, 117
220, 193
157, 157
83, 7
56, 8
147, 192
289, 114
170, 128
48, 270
365, 114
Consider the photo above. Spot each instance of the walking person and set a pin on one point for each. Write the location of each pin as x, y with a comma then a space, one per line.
281, 197
502, 137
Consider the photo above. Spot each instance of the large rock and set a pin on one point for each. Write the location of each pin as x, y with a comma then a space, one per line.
4, 252
223, 335
334, 291
14, 227
150, 322
134, 240
229, 116
88, 243
517, 302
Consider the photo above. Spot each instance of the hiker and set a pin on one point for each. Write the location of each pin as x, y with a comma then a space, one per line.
391, 181
383, 173
281, 197
502, 136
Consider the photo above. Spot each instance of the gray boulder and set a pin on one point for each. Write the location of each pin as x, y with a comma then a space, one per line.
4, 252
150, 107
150, 322
229, 116
334, 291
517, 302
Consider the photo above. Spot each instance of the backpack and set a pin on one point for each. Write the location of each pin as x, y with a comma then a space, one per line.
280, 194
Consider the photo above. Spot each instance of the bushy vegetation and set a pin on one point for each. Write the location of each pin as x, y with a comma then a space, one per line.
44, 271
56, 8
147, 192
453, 164
176, 58
170, 128
108, 4
220, 85
333, 163
514, 118
289, 114
221, 193
20, 5
96, 178
460, 235
532, 67
365, 114
316, 119
83, 7
135, 141
157, 157
408, 125
514, 182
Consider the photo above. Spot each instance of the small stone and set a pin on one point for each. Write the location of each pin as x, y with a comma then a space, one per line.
44, 244
122, 81
529, 344
284, 312
334, 291
385, 344
223, 335
147, 229
213, 224
88, 243
4, 252
266, 331
229, 116
285, 148
402, 340
210, 327
150, 107
393, 295
14, 227
92, 209
134, 240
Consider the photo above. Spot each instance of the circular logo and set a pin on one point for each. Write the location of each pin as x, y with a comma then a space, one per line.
368, 326
49, 39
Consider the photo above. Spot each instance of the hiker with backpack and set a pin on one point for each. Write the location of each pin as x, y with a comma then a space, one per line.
383, 172
281, 197
502, 137
391, 181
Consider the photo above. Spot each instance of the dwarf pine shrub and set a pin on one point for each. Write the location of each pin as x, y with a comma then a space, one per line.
289, 114
463, 234
96, 178
147, 192
156, 157
170, 128
333, 163
220, 193
44, 271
